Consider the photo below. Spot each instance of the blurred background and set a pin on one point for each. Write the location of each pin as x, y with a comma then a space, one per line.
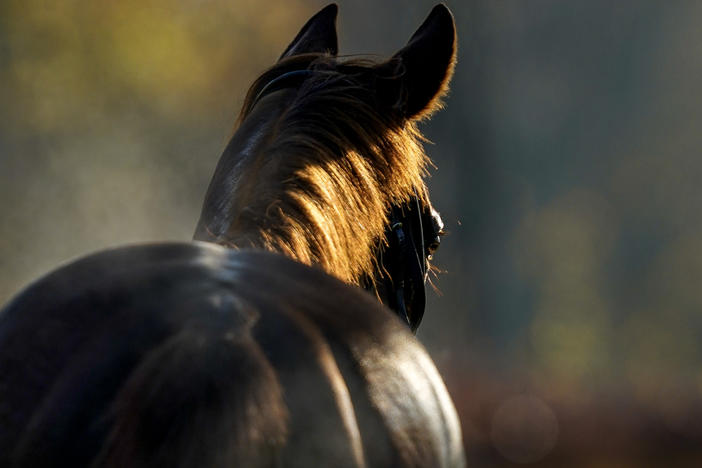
568, 325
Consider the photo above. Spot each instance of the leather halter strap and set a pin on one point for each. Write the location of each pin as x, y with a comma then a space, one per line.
412, 237
291, 79
408, 271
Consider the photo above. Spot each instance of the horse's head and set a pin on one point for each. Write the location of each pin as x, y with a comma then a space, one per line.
326, 165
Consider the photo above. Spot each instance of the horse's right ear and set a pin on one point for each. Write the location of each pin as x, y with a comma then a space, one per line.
317, 35
417, 77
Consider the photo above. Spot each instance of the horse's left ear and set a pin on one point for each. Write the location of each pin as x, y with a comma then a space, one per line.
317, 35
425, 65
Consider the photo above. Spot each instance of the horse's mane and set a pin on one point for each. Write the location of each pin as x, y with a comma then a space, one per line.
342, 158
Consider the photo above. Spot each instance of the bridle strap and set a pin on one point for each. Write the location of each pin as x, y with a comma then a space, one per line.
407, 265
291, 79
423, 266
397, 280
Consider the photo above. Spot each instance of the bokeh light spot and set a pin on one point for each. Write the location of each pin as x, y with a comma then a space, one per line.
524, 429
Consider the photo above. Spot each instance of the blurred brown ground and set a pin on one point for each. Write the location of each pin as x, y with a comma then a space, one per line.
568, 166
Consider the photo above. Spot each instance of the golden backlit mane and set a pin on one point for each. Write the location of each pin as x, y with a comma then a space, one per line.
341, 160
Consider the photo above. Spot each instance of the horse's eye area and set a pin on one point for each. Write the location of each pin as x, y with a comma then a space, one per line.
433, 246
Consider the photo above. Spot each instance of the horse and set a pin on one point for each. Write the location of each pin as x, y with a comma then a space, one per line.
256, 344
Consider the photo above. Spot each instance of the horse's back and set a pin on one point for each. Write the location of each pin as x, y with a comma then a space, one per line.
194, 355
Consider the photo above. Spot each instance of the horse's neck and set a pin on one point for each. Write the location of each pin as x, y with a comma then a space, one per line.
254, 201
